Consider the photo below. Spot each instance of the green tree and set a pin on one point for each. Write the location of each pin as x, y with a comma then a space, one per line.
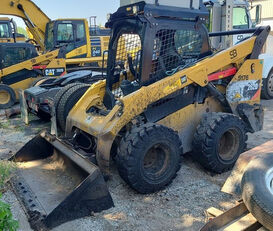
21, 30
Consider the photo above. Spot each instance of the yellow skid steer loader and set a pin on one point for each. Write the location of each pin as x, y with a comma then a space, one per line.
165, 94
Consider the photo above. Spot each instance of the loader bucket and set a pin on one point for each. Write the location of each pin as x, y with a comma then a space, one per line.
56, 183
233, 182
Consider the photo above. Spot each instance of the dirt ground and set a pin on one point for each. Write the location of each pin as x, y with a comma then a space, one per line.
179, 207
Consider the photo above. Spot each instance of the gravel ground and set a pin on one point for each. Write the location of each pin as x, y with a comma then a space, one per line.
179, 207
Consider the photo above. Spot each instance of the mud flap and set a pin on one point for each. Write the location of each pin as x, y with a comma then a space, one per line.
23, 107
56, 183
54, 128
233, 182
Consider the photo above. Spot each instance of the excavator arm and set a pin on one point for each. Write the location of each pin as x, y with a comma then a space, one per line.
34, 18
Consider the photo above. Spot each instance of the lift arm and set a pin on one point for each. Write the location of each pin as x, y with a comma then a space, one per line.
34, 18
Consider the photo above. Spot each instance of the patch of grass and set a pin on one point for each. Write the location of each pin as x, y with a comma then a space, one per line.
12, 126
6, 169
5, 125
7, 223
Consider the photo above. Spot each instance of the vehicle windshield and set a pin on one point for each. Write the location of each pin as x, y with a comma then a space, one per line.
4, 30
240, 18
49, 40
124, 59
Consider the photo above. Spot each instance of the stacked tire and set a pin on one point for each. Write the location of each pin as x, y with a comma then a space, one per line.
65, 100
68, 96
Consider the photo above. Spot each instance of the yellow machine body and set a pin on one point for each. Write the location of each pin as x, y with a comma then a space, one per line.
106, 128
162, 81
43, 63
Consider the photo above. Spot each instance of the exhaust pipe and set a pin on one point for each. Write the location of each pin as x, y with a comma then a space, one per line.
56, 183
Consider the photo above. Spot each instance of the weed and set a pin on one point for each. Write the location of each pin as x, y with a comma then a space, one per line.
6, 168
7, 223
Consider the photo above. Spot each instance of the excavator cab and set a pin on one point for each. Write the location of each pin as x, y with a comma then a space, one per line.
72, 34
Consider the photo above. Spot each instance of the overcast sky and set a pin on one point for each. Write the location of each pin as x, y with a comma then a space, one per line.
76, 9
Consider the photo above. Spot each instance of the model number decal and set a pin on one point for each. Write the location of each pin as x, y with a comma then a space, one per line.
54, 71
96, 51
233, 54
243, 77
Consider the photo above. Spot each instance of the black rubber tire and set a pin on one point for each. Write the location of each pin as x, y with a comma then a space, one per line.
67, 102
67, 87
132, 151
60, 94
265, 92
255, 192
12, 98
208, 136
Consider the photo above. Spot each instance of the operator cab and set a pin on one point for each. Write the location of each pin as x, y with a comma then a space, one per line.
69, 33
153, 42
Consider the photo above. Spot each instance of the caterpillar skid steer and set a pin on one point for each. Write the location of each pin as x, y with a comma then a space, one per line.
165, 94
21, 66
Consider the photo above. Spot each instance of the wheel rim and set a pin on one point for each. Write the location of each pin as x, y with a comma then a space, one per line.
269, 180
229, 145
270, 85
155, 162
4, 97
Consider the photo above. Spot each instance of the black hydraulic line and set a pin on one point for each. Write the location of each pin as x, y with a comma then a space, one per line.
20, 7
218, 95
232, 32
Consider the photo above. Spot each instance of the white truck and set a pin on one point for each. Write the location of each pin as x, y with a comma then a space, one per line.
236, 14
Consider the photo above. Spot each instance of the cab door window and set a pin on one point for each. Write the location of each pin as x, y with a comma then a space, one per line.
240, 18
65, 32
49, 40
4, 30
80, 32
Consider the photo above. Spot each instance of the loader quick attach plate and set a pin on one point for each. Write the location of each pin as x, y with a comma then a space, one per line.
57, 184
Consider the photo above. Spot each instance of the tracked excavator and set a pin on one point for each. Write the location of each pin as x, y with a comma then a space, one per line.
81, 51
168, 94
